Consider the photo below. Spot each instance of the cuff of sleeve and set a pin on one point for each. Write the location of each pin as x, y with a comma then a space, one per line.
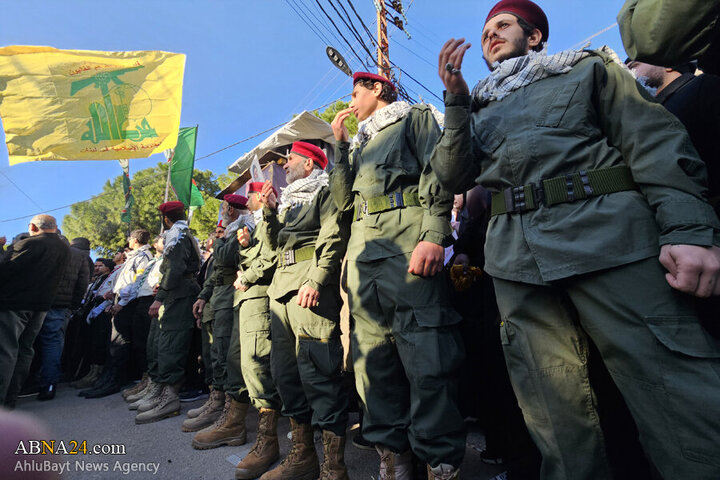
160, 297
249, 277
691, 222
457, 110
317, 277
342, 152
268, 213
436, 230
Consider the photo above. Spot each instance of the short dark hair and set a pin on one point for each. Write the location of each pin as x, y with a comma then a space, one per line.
528, 29
141, 235
388, 94
175, 215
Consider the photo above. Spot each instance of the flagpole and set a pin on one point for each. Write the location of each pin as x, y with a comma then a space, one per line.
167, 191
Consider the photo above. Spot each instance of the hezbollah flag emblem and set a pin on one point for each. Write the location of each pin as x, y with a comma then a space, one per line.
88, 105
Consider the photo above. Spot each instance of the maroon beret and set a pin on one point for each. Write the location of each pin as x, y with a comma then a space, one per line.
171, 207
525, 9
308, 150
254, 187
237, 201
371, 76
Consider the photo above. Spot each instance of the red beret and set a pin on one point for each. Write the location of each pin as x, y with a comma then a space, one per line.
371, 76
254, 187
171, 207
308, 150
237, 201
525, 9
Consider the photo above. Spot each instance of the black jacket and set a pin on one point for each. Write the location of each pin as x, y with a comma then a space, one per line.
29, 277
695, 101
74, 281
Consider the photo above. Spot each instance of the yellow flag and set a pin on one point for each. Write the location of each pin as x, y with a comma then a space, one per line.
88, 105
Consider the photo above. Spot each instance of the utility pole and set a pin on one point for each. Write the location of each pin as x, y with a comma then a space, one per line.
383, 44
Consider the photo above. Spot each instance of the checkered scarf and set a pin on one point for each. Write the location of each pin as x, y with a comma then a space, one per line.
518, 72
303, 190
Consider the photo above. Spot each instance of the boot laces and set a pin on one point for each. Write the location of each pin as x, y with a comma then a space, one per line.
223, 416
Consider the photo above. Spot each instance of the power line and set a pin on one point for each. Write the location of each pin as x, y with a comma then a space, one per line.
352, 29
416, 81
341, 35
140, 184
21, 190
312, 29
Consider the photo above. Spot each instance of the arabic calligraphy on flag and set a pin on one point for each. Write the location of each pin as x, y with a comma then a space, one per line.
89, 105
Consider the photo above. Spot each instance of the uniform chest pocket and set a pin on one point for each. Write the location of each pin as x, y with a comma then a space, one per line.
555, 105
489, 137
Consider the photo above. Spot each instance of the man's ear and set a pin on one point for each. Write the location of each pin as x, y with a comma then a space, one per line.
535, 38
33, 228
377, 89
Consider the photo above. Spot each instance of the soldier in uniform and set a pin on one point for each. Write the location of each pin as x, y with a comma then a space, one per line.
590, 182
229, 395
173, 307
406, 344
256, 268
308, 234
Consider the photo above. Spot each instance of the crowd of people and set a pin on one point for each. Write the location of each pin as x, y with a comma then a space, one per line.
560, 231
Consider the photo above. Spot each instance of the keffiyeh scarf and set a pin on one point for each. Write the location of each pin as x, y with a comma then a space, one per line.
518, 72
303, 190
175, 234
368, 128
247, 220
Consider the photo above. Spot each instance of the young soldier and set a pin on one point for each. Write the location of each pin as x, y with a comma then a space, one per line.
256, 268
406, 345
308, 234
229, 395
173, 307
590, 181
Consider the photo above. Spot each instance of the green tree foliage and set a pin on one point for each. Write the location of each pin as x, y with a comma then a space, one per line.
329, 114
99, 218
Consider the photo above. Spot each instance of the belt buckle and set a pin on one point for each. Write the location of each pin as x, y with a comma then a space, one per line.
289, 257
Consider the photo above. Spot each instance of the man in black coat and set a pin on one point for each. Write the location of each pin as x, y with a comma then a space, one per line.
29, 280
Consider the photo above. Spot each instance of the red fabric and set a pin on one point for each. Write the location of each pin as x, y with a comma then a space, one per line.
171, 207
308, 150
525, 9
257, 187
371, 76
237, 201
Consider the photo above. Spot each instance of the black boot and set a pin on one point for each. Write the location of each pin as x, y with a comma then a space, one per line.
47, 393
107, 378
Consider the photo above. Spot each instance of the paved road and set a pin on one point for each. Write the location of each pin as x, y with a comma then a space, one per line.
164, 446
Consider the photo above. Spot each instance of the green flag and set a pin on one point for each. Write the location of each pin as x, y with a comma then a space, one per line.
182, 163
127, 189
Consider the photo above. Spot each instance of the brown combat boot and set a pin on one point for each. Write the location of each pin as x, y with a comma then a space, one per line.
395, 466
266, 450
210, 411
301, 462
135, 389
229, 429
333, 466
443, 472
168, 405
216, 396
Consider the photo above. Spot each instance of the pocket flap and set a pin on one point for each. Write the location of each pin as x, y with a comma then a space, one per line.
684, 335
436, 316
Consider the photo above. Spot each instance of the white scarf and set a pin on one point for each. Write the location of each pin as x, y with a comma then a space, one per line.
518, 72
368, 128
302, 190
247, 220
175, 234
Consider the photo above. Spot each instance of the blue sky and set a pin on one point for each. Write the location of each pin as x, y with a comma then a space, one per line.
251, 65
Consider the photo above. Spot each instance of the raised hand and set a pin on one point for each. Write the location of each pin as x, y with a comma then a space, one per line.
450, 65
243, 237
267, 196
338, 125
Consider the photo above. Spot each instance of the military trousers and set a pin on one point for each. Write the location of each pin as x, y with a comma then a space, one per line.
306, 360
255, 346
234, 380
152, 350
663, 362
222, 326
18, 329
407, 352
175, 326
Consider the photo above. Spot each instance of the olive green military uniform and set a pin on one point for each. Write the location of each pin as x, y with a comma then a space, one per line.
177, 292
227, 373
306, 356
405, 342
581, 264
256, 263
670, 33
